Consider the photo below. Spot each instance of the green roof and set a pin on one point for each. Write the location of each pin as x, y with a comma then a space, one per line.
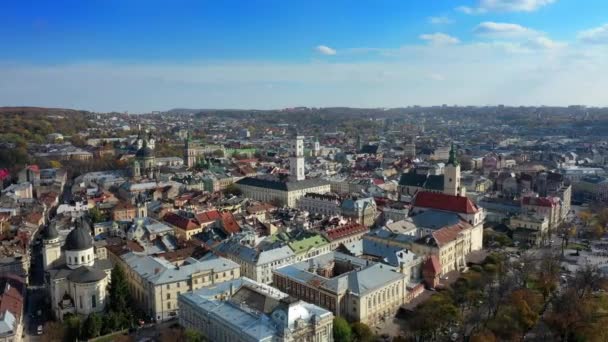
303, 245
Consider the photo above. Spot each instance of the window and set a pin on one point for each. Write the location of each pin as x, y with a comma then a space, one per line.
93, 301
168, 296
169, 305
82, 258
168, 286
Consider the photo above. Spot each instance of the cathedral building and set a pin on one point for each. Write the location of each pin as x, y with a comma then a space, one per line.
448, 183
144, 165
76, 277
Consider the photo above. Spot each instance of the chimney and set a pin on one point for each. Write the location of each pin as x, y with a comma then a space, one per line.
156, 270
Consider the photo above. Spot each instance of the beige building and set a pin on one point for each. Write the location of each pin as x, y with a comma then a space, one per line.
530, 229
323, 204
156, 284
350, 287
549, 207
286, 193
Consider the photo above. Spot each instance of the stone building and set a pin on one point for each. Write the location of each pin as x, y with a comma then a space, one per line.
242, 310
358, 290
77, 278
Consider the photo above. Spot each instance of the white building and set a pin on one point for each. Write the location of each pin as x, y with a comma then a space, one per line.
245, 311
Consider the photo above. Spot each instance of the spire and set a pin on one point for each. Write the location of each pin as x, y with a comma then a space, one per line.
453, 160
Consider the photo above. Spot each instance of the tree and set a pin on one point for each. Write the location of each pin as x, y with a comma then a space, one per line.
585, 216
434, 315
55, 164
191, 335
598, 231
483, 336
92, 326
96, 215
342, 331
362, 332
71, 327
118, 291
53, 331
233, 190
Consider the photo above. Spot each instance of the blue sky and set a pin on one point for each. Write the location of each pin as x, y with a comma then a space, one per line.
141, 55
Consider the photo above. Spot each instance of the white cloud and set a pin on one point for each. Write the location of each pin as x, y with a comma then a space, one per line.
544, 43
439, 38
440, 20
325, 50
484, 6
597, 35
470, 10
465, 74
503, 30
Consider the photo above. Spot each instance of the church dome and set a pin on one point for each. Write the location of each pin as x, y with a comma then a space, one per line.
144, 152
50, 232
80, 237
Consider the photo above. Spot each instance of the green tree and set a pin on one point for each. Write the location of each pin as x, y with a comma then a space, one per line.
118, 291
342, 331
92, 326
72, 327
96, 215
362, 332
191, 335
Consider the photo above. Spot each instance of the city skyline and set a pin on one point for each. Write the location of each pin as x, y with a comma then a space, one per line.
125, 56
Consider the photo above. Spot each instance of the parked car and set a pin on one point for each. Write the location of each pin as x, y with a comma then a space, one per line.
39, 330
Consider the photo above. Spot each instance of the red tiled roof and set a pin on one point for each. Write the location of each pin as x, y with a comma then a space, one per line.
347, 230
208, 216
432, 265
540, 201
261, 207
34, 218
229, 223
124, 206
440, 201
11, 298
250, 160
180, 222
447, 234
4, 174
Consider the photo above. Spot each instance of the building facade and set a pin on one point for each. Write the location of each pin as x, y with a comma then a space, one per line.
242, 310
156, 284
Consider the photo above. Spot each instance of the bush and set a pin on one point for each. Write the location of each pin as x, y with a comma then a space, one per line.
342, 331
362, 332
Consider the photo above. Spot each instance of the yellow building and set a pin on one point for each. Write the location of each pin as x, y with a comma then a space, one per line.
156, 284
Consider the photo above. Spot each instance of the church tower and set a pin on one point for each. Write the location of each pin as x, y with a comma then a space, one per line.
136, 171
189, 152
296, 161
451, 177
51, 248
316, 149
